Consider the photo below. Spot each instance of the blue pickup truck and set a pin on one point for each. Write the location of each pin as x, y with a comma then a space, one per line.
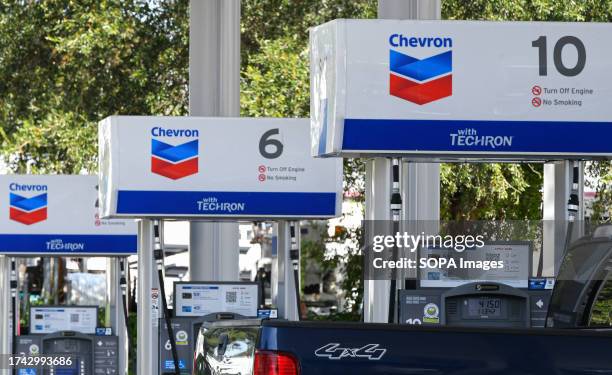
576, 342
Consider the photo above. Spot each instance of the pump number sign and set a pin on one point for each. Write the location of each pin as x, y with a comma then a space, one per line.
214, 168
453, 90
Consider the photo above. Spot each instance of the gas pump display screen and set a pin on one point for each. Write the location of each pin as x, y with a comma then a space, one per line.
199, 299
484, 306
516, 257
47, 319
489, 307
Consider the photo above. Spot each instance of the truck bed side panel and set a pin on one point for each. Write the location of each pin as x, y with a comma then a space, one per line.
326, 350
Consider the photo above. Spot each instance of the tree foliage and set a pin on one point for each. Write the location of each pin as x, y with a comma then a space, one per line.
65, 65
275, 82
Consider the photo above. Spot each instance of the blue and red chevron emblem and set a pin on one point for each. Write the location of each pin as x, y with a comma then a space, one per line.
174, 161
420, 80
28, 211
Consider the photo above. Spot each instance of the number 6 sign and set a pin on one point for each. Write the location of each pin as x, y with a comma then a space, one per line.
214, 168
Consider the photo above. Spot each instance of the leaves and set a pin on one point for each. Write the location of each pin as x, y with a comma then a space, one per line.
64, 66
490, 191
275, 83
601, 181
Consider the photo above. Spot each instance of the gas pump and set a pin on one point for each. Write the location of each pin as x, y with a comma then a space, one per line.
477, 304
196, 303
57, 216
69, 332
506, 297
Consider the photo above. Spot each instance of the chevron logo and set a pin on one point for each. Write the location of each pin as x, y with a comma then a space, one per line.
28, 211
174, 161
420, 81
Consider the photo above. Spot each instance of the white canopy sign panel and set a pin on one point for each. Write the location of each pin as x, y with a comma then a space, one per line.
58, 215
214, 168
454, 90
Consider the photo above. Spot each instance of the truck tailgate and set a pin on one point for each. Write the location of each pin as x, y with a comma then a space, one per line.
357, 348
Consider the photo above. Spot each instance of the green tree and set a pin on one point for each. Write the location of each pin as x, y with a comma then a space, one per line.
601, 171
65, 65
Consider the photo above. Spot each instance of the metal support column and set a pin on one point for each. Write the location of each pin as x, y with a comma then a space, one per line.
421, 203
274, 268
409, 9
5, 307
284, 279
557, 188
420, 181
378, 194
114, 310
148, 302
417, 178
214, 90
421, 191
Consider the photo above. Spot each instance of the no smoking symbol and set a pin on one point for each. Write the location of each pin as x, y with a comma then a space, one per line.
536, 102
262, 169
536, 90
262, 177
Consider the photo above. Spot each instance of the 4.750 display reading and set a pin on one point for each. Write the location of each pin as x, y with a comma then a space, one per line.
484, 307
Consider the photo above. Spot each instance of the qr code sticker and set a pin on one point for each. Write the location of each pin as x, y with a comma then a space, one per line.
230, 297
74, 318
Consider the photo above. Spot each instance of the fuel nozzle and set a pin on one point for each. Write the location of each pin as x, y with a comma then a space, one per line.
396, 196
572, 206
158, 252
573, 203
13, 278
294, 251
122, 278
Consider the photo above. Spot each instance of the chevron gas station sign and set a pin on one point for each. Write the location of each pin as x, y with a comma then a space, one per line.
58, 215
454, 90
227, 168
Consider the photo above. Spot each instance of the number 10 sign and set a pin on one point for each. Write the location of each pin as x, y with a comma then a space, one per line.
189, 167
461, 90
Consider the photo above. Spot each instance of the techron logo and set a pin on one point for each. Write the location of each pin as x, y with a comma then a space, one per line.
172, 159
213, 205
28, 203
420, 80
60, 245
470, 138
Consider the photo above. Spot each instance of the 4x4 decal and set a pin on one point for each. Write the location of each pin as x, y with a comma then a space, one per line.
333, 351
